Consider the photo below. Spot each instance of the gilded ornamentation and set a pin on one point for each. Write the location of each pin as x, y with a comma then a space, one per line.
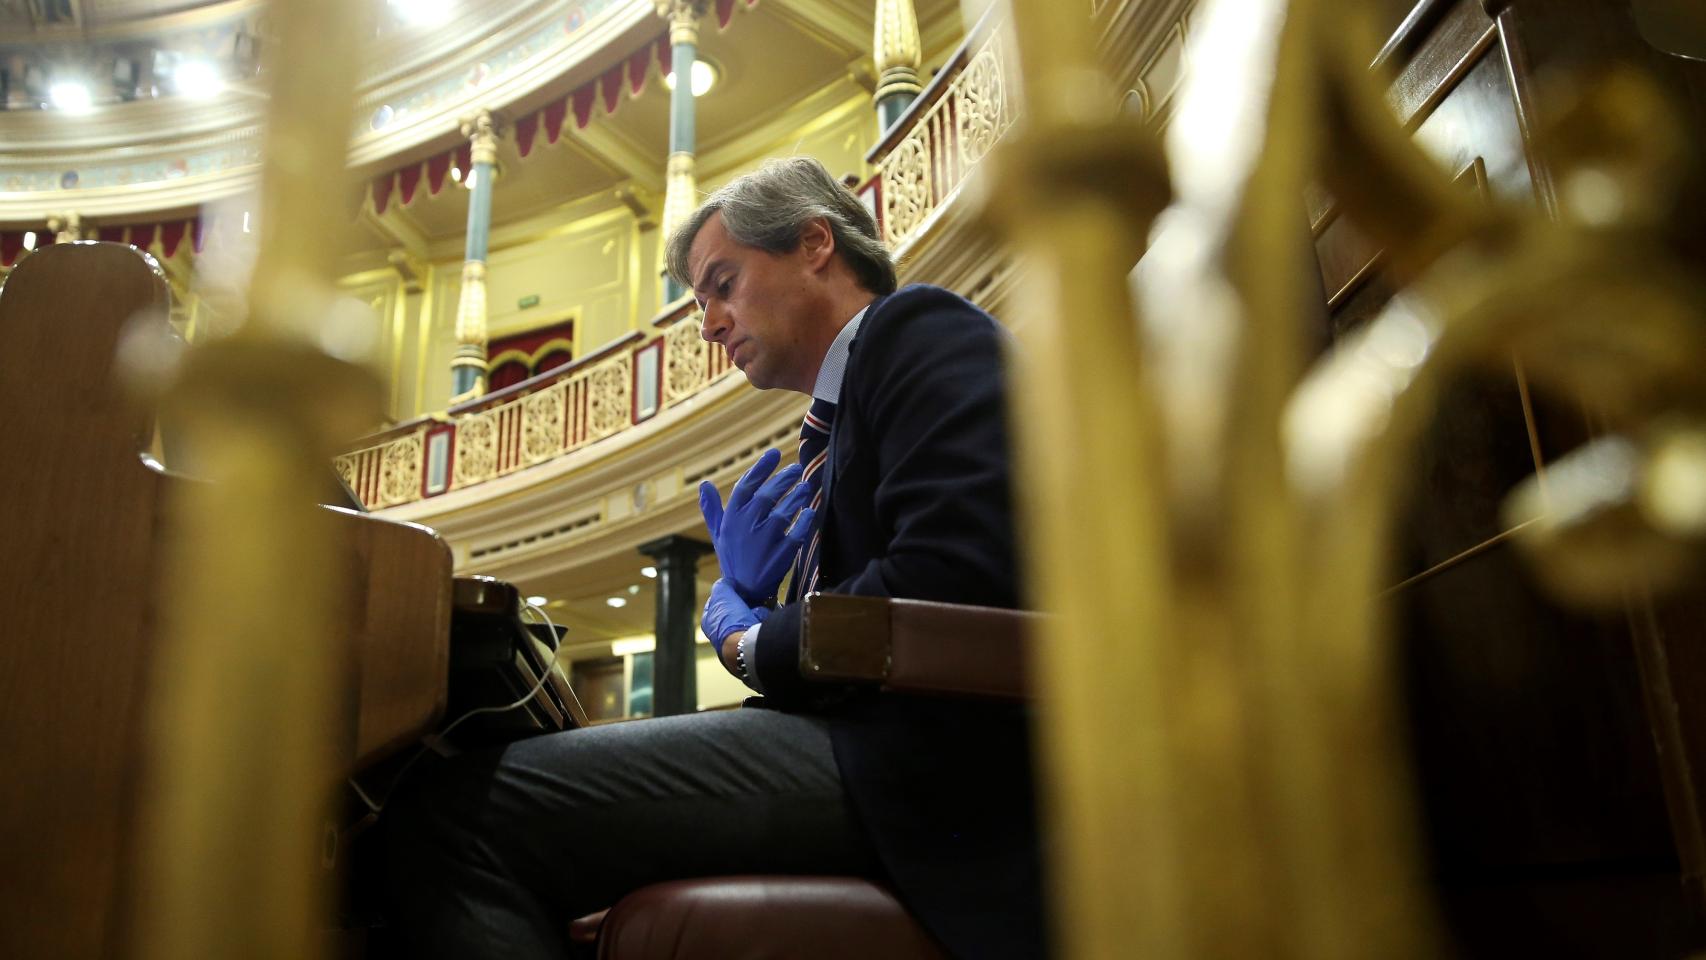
896, 48
471, 305
476, 448
906, 187
608, 403
345, 466
68, 228
980, 106
946, 140
542, 423
683, 17
685, 355
680, 196
400, 471
482, 133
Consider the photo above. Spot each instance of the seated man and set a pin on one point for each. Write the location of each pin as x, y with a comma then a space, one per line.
904, 492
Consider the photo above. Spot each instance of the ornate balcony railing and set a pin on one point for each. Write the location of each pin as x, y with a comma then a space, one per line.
599, 396
924, 159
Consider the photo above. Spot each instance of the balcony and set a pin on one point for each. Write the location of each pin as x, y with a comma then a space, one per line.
539, 419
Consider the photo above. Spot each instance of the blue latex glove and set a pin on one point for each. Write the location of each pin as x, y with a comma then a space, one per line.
726, 614
754, 542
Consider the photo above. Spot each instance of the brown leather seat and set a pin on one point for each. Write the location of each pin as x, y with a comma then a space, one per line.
823, 918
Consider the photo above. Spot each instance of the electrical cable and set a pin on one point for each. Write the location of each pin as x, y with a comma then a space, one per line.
544, 677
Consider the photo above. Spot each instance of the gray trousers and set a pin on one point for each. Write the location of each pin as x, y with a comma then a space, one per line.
493, 854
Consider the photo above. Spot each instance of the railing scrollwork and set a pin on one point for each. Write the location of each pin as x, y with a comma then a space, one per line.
535, 422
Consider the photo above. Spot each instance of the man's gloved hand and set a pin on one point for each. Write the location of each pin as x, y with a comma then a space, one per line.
726, 614
755, 545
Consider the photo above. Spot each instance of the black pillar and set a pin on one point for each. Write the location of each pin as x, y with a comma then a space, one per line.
674, 688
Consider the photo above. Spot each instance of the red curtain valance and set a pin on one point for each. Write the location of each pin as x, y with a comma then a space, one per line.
142, 235
549, 119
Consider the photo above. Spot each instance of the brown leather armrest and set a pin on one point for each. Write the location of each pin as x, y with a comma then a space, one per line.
914, 646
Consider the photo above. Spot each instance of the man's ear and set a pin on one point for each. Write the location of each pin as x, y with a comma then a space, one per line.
817, 242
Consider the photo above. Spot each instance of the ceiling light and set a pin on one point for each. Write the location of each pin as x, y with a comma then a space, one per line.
650, 573
70, 96
628, 646
537, 601
617, 601
633, 588
422, 13
29, 240
704, 77
456, 174
198, 79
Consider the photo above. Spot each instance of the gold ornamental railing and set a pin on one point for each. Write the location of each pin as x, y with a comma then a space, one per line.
538, 419
927, 156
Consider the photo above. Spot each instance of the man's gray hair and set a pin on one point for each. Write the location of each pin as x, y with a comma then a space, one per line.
767, 208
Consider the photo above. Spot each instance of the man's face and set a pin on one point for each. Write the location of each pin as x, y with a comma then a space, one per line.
758, 305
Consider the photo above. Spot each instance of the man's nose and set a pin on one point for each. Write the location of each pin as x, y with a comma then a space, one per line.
715, 323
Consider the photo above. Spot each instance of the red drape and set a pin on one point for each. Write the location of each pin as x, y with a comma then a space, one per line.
525, 129
583, 100
382, 192
554, 113
408, 179
612, 83
436, 168
111, 234
171, 234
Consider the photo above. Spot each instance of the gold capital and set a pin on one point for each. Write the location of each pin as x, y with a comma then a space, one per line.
482, 132
683, 17
67, 227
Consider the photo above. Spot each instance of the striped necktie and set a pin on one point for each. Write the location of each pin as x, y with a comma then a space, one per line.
814, 451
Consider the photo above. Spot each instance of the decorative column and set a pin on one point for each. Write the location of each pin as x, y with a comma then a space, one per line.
680, 196
897, 50
675, 688
468, 366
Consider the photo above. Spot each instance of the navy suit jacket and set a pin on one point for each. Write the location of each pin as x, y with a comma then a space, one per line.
918, 504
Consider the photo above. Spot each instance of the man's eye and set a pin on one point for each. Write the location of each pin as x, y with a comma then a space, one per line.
723, 288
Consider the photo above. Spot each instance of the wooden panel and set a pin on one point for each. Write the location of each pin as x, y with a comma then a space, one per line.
82, 519
402, 637
78, 512
1533, 727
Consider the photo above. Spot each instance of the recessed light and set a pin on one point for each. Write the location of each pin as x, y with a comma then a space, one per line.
70, 96
422, 13
633, 588
617, 601
650, 573
537, 601
704, 78
628, 646
198, 79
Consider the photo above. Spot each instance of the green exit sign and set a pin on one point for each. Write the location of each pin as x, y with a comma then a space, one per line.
531, 300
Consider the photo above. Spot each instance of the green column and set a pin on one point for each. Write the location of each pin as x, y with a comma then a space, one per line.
680, 197
468, 366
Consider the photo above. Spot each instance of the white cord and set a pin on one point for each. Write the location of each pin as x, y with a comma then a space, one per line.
544, 677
